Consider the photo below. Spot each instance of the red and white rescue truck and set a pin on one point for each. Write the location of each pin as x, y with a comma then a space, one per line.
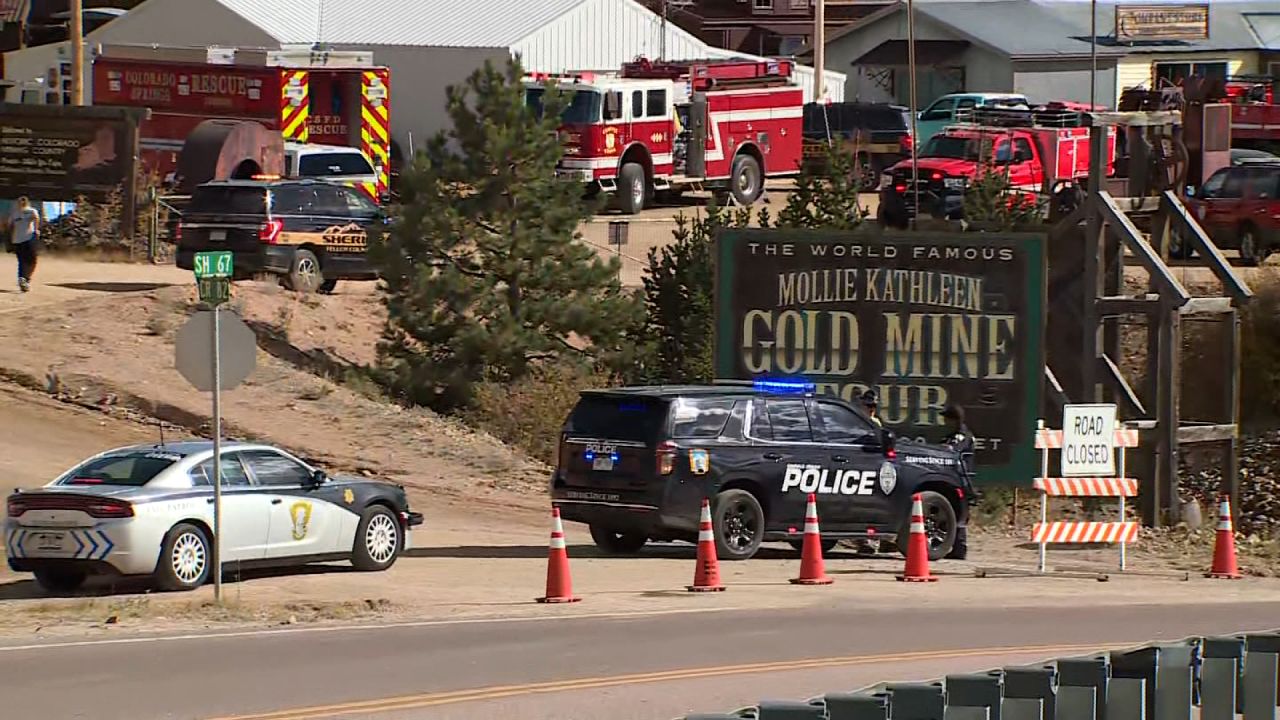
1042, 150
325, 97
722, 125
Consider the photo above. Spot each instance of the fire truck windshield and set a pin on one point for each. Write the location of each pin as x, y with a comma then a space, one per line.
584, 105
950, 146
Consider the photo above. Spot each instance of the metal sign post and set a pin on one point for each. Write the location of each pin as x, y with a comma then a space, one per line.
618, 231
213, 279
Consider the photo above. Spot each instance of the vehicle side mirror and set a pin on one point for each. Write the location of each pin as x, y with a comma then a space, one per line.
612, 106
318, 477
888, 441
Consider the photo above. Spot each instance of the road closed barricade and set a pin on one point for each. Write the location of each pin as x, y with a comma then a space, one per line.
1089, 442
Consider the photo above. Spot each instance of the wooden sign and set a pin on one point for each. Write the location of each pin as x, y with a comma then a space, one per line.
1136, 23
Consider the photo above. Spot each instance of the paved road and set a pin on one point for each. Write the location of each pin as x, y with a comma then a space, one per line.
645, 666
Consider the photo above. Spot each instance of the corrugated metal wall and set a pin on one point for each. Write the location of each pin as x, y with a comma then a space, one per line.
604, 34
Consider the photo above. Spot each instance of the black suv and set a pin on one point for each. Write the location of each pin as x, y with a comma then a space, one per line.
312, 233
878, 134
635, 464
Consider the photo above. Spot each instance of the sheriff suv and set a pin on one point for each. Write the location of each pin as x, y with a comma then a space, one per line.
635, 464
310, 233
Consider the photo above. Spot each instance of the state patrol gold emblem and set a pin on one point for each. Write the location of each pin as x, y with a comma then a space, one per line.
348, 497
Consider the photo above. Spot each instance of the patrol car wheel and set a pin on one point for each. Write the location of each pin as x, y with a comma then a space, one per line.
185, 559
378, 540
939, 526
738, 520
60, 581
304, 272
617, 543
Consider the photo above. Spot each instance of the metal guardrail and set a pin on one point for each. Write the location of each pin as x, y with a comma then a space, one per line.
1212, 678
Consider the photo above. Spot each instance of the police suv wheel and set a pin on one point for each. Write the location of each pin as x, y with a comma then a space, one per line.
939, 526
186, 558
738, 521
304, 272
378, 540
617, 543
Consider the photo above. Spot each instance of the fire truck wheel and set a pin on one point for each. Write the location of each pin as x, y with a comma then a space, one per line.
746, 180
304, 272
632, 189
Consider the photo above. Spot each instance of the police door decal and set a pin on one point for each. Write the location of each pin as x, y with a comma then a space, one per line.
806, 478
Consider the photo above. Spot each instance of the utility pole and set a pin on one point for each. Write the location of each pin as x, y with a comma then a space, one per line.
1093, 55
77, 52
819, 49
915, 109
662, 36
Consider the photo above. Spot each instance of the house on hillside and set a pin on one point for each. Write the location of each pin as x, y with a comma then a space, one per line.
761, 27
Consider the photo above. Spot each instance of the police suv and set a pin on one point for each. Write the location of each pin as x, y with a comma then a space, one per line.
635, 464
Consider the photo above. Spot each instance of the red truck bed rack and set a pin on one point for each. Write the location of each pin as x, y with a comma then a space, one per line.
708, 74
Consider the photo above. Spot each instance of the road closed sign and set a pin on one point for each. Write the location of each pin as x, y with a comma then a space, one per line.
1089, 440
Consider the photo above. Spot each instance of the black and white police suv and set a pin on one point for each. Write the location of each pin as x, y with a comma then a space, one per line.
635, 463
148, 510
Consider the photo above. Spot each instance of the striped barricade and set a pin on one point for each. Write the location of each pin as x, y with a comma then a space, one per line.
1121, 532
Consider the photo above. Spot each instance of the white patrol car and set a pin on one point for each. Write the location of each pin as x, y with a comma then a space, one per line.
148, 510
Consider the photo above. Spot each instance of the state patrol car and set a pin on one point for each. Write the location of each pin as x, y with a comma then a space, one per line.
635, 464
148, 510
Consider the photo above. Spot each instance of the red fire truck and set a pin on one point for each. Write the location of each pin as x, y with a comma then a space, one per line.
1255, 116
327, 97
723, 125
1043, 150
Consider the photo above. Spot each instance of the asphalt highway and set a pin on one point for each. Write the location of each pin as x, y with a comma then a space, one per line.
655, 666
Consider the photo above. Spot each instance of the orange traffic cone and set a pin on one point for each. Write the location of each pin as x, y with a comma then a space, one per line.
559, 586
917, 569
1224, 549
706, 576
812, 571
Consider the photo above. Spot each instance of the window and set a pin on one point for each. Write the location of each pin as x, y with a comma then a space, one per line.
844, 426
1022, 150
1234, 185
232, 200
762, 4
272, 468
790, 421
1004, 152
1261, 184
330, 201
637, 104
700, 417
792, 44
232, 472
1212, 187
359, 205
940, 110
800, 4
604, 417
1177, 72
584, 106
761, 428
133, 469
293, 200
657, 103
333, 164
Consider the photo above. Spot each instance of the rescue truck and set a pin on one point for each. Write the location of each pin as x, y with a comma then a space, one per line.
670, 126
1044, 151
313, 96
1255, 116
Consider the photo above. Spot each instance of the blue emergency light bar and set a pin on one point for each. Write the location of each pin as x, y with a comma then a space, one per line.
785, 387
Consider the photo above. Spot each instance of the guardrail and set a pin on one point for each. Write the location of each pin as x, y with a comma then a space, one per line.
1212, 678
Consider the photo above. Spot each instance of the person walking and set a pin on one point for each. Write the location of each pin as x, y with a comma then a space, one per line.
24, 238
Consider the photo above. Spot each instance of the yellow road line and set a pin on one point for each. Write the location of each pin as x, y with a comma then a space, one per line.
410, 702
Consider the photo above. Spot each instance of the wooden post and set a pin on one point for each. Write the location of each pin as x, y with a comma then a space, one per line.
1091, 346
129, 209
1231, 468
819, 49
77, 52
1161, 504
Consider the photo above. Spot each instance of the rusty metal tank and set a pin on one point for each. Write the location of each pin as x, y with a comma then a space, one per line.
228, 150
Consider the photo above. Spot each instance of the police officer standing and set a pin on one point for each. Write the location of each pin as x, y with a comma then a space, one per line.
960, 439
871, 404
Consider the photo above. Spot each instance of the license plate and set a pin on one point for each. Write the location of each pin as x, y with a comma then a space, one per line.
217, 235
602, 463
47, 541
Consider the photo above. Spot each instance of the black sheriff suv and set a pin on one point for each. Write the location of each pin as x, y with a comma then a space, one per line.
635, 464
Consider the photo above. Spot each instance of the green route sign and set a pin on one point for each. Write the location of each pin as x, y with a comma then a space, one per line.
213, 265
214, 290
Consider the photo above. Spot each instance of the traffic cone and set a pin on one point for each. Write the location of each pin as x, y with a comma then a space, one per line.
812, 571
706, 576
1224, 548
917, 569
559, 586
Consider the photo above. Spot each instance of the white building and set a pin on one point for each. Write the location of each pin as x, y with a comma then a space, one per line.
428, 44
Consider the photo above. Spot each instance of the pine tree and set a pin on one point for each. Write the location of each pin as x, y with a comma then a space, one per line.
991, 201
826, 194
484, 272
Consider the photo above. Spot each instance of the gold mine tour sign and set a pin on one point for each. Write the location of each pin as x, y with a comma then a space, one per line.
924, 319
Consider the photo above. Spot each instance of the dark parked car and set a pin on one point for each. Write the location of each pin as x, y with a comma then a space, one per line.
877, 134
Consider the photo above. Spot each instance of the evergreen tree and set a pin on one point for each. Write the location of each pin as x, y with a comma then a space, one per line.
992, 202
826, 194
484, 274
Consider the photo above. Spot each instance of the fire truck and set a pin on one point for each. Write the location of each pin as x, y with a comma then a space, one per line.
1044, 151
314, 96
1255, 116
668, 126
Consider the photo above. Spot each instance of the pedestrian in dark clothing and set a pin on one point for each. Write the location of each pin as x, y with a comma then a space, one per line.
961, 440
871, 404
25, 240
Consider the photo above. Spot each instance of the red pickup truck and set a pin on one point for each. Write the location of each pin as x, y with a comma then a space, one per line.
1041, 150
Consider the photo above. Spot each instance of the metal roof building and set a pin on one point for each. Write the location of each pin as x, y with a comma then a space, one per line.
428, 44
